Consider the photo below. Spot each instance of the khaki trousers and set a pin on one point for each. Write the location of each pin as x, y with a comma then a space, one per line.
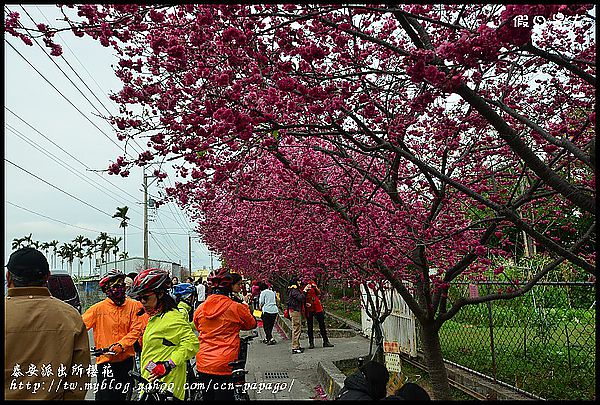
296, 328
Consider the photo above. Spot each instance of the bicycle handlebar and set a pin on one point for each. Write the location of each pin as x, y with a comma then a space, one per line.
100, 351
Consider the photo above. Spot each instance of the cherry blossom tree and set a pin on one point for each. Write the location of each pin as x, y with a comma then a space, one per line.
393, 142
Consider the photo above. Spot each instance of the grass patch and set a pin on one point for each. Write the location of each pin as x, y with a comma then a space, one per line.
530, 360
344, 308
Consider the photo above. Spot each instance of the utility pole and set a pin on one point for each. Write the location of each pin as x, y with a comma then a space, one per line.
145, 220
211, 262
190, 253
146, 217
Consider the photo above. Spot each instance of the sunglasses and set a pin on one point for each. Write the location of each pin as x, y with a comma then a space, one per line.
145, 297
117, 283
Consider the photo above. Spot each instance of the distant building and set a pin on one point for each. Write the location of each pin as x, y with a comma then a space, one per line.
203, 272
136, 265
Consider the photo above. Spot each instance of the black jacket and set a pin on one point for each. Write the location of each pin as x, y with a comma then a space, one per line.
295, 299
355, 388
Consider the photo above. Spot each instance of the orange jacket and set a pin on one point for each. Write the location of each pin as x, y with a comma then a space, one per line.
219, 320
115, 324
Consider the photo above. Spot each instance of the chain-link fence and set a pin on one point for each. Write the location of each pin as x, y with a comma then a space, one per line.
543, 342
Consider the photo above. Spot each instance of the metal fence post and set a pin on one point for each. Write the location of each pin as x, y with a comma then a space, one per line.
492, 340
568, 349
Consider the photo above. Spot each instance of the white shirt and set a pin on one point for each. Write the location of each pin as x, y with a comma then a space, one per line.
201, 289
267, 302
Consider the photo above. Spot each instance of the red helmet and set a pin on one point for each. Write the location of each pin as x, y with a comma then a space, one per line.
220, 278
148, 281
110, 276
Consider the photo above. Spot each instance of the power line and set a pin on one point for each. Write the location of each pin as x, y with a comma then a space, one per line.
160, 247
68, 78
84, 68
62, 191
64, 164
69, 101
169, 238
75, 158
75, 56
57, 220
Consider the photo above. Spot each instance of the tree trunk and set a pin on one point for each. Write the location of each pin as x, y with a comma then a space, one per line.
435, 363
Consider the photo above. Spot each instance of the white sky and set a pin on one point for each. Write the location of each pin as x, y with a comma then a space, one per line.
33, 99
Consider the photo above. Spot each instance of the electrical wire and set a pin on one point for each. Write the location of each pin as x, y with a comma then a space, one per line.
69, 79
75, 158
76, 58
67, 99
79, 77
64, 164
62, 191
56, 220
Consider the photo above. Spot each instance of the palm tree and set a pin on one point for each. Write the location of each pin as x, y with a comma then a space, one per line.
90, 253
79, 242
101, 243
71, 256
17, 243
66, 253
27, 240
54, 245
45, 246
113, 243
124, 255
122, 215
78, 253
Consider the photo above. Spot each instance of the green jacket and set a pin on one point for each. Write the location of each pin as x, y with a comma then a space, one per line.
170, 336
187, 310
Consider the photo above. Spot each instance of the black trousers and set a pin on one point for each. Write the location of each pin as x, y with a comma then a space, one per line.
268, 324
309, 323
114, 388
216, 387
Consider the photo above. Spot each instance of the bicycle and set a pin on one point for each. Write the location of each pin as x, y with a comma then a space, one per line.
134, 393
151, 391
96, 352
239, 371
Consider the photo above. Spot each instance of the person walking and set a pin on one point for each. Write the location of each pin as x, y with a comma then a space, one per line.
268, 306
45, 340
219, 320
200, 292
117, 324
169, 340
294, 305
314, 309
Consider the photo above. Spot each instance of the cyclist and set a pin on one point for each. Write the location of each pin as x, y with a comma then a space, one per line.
184, 298
117, 325
169, 340
219, 320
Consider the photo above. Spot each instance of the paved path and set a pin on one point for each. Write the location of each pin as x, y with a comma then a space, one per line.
301, 380
278, 374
